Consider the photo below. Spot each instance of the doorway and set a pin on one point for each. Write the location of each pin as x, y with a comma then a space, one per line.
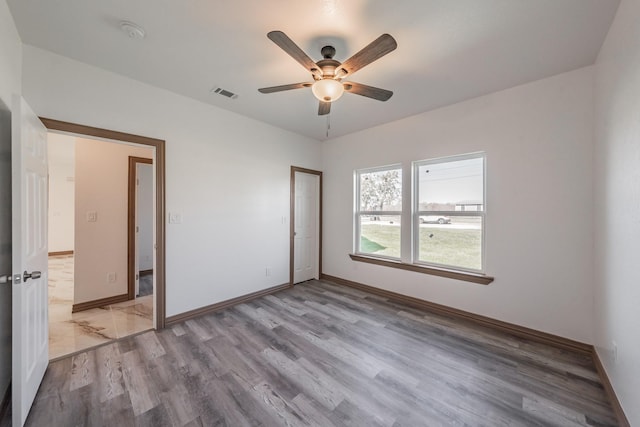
140, 227
155, 298
306, 225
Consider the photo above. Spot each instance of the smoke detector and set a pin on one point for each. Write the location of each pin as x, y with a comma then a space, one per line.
134, 31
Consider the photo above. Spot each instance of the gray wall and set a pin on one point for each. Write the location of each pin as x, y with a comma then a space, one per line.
5, 248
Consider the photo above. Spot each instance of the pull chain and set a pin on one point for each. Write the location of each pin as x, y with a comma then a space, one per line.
328, 124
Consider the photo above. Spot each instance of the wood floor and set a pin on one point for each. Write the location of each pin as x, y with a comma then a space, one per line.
322, 355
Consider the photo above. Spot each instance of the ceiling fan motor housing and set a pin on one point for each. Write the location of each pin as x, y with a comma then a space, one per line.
328, 67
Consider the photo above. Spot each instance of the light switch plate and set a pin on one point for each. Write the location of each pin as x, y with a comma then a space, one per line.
175, 218
92, 216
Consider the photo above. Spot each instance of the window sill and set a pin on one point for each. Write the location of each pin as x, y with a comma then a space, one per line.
478, 278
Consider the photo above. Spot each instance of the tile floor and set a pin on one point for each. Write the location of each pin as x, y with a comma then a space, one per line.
70, 332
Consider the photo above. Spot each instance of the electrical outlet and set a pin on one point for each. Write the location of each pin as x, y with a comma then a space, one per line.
267, 271
111, 277
614, 349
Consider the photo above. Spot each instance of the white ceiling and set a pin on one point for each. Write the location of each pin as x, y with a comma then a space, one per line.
448, 50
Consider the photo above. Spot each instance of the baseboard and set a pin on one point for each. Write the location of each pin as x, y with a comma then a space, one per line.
6, 401
99, 303
611, 394
145, 272
520, 331
60, 253
172, 320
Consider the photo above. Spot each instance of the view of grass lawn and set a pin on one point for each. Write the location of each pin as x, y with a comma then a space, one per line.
459, 247
380, 239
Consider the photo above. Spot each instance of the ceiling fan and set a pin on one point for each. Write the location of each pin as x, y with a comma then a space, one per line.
328, 73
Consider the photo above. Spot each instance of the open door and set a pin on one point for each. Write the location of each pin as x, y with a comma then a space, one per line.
30, 334
140, 222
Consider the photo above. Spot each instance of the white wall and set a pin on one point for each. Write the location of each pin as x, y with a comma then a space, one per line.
227, 175
102, 181
617, 206
10, 82
10, 57
144, 215
538, 142
61, 151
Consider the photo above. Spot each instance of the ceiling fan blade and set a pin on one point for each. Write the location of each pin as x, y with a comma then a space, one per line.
288, 45
372, 52
368, 91
324, 108
280, 88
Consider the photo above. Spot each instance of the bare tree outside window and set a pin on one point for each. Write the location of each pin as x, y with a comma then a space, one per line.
380, 191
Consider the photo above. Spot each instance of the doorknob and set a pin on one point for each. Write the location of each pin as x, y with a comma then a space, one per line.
33, 275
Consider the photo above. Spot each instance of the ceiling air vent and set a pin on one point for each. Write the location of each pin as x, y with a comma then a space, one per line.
224, 92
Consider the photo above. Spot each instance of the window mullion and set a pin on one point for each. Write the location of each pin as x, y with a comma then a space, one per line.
406, 240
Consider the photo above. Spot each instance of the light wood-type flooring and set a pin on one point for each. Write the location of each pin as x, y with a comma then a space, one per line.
322, 355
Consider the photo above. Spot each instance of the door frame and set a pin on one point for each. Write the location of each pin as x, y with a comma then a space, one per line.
292, 216
160, 236
131, 223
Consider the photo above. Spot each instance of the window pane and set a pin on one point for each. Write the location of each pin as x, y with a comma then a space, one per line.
381, 191
380, 235
451, 186
456, 241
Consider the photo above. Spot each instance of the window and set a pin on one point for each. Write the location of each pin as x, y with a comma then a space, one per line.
449, 212
378, 211
446, 213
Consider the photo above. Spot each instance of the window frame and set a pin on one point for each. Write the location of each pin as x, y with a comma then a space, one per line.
416, 213
358, 213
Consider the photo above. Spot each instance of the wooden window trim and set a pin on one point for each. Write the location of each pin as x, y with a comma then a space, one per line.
481, 279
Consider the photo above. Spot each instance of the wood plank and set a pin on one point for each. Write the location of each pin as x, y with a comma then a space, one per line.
139, 383
321, 354
109, 369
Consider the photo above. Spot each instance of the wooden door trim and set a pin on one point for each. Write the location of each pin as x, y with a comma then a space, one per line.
131, 223
292, 212
160, 236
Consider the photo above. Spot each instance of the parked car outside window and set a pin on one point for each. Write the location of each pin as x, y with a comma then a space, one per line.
435, 219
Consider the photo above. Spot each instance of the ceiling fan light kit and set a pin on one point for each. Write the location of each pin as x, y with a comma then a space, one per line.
328, 72
327, 90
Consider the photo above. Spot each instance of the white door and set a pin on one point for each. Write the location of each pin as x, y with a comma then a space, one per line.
30, 333
306, 219
144, 220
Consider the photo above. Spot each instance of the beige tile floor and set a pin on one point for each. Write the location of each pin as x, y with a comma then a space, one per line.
71, 332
